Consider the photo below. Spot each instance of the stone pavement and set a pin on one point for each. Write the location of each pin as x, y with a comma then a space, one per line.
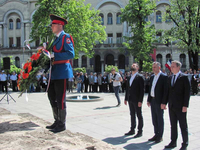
102, 120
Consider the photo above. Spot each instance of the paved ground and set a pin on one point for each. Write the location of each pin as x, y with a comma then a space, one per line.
104, 121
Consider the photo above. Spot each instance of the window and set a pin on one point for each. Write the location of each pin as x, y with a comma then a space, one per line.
110, 38
119, 38
18, 23
110, 19
159, 58
183, 60
102, 19
75, 63
18, 41
10, 41
118, 18
158, 36
11, 24
84, 61
168, 57
158, 16
17, 62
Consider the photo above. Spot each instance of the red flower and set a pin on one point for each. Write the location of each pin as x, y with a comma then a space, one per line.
26, 65
35, 56
29, 68
25, 75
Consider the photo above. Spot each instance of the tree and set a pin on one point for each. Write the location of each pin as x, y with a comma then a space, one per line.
139, 44
84, 24
185, 14
109, 68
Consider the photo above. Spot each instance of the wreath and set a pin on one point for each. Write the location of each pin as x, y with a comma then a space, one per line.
36, 64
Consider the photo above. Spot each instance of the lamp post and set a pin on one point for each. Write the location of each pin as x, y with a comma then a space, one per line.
24, 47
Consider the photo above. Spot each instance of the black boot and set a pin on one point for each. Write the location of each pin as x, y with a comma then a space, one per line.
55, 115
61, 121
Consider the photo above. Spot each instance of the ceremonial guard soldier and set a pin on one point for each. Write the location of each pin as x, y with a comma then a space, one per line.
63, 49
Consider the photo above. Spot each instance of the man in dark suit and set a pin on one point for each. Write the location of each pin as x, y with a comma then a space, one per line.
86, 82
134, 96
178, 98
156, 99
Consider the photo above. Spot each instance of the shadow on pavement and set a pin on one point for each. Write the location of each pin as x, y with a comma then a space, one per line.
106, 107
123, 139
7, 126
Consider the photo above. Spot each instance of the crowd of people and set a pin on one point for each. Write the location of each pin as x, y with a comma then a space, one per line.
94, 82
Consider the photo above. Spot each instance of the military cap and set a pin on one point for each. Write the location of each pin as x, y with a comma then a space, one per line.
58, 20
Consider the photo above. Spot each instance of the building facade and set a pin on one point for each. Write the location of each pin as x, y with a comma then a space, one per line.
15, 26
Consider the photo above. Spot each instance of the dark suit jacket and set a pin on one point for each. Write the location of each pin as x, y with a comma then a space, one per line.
135, 92
160, 89
179, 94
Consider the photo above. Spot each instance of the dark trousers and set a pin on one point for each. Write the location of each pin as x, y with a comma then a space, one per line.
135, 110
4, 84
95, 87
111, 87
157, 118
91, 88
100, 88
86, 88
14, 85
57, 93
105, 87
176, 115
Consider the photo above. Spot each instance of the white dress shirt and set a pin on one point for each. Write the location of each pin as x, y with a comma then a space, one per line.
132, 78
175, 78
155, 79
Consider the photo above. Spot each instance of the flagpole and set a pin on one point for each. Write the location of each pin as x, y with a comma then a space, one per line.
24, 48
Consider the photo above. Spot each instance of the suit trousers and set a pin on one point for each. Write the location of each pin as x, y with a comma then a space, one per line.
157, 118
57, 93
135, 110
176, 115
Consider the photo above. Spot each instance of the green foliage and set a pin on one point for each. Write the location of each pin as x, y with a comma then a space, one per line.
80, 70
109, 68
139, 44
147, 66
13, 68
83, 23
185, 14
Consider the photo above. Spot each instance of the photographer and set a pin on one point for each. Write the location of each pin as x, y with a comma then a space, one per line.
116, 79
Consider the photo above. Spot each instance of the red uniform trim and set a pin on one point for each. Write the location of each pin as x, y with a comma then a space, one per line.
58, 22
61, 62
59, 50
64, 93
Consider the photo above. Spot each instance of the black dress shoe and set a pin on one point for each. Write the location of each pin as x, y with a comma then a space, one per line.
59, 128
171, 145
52, 126
153, 138
158, 140
138, 135
184, 147
130, 133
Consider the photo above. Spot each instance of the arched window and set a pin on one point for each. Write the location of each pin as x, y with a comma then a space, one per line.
102, 19
168, 56
11, 24
118, 18
75, 63
84, 61
110, 19
183, 60
17, 62
121, 62
18, 23
159, 58
158, 16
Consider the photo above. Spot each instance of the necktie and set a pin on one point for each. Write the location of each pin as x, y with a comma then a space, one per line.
174, 80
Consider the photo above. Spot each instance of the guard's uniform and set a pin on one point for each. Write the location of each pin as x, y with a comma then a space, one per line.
61, 70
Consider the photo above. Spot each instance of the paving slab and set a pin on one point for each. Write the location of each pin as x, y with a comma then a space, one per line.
102, 120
